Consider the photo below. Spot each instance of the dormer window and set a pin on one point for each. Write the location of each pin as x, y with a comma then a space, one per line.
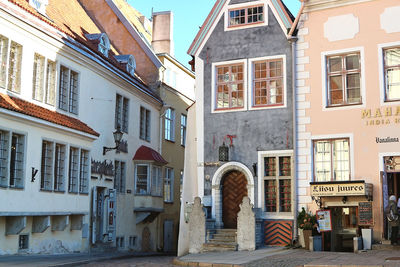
39, 5
248, 15
128, 61
103, 43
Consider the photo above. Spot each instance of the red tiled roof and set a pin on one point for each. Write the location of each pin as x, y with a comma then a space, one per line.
147, 153
30, 109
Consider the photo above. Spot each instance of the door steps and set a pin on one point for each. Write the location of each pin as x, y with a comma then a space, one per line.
221, 240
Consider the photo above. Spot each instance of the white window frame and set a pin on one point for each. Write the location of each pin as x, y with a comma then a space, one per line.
183, 129
334, 136
251, 77
47, 81
147, 118
156, 180
17, 86
148, 190
227, 27
84, 172
120, 178
68, 97
75, 189
382, 78
169, 185
261, 178
122, 113
325, 92
169, 125
5, 182
214, 86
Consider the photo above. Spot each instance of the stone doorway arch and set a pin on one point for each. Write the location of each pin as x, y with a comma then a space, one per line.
217, 188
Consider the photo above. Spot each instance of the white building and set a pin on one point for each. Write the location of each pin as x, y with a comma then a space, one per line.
63, 92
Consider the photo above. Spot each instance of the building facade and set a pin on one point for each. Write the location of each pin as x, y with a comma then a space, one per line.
348, 114
244, 105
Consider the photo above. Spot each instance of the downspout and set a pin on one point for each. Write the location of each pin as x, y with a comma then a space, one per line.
293, 41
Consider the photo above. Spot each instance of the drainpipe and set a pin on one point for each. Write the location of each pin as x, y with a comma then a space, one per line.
293, 41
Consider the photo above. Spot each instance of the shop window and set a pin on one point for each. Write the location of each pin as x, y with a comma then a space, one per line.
268, 80
331, 160
230, 86
344, 79
392, 73
278, 183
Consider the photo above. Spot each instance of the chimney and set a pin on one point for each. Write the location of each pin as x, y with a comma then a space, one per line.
163, 32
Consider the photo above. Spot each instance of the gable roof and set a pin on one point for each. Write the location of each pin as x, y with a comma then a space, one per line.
27, 108
277, 6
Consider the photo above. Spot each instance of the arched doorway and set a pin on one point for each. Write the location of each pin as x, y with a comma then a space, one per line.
234, 188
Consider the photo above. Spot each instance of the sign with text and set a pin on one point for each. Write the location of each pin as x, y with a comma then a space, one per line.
324, 220
365, 214
341, 189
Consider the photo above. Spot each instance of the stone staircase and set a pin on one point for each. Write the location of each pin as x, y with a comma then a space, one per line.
221, 240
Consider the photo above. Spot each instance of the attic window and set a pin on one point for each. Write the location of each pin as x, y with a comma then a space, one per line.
128, 61
104, 45
39, 5
247, 15
131, 65
102, 41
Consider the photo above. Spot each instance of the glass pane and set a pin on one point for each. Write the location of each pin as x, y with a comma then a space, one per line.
335, 64
322, 161
285, 197
352, 62
392, 57
336, 90
353, 88
270, 195
3, 60
284, 166
341, 161
393, 83
270, 166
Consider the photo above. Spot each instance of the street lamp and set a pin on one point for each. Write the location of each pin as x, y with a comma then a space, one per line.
117, 139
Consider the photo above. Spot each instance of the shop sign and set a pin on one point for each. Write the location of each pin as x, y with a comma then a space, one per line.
341, 189
324, 220
381, 116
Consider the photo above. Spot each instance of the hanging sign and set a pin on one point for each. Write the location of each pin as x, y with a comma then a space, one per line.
324, 220
353, 188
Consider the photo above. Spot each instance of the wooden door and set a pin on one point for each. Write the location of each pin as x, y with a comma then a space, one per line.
234, 188
168, 235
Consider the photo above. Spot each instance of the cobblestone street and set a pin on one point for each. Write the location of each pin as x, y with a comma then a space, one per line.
152, 261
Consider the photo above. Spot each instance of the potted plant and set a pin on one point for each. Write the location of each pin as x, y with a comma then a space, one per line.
307, 223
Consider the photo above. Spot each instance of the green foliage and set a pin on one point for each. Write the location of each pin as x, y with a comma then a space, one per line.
306, 221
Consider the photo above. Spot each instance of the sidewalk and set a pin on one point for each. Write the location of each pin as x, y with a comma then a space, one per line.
65, 260
281, 257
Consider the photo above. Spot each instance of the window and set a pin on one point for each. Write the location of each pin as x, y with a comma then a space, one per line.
144, 124
170, 124
180, 184
23, 241
84, 172
11, 51
73, 170
104, 45
156, 181
120, 242
120, 176
12, 157
248, 15
132, 241
344, 79
183, 129
121, 113
142, 183
392, 73
131, 65
68, 91
278, 183
169, 185
268, 83
43, 90
331, 160
230, 86
53, 165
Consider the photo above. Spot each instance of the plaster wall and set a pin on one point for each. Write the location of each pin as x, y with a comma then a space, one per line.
267, 129
321, 122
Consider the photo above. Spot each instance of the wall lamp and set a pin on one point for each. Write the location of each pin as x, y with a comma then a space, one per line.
117, 139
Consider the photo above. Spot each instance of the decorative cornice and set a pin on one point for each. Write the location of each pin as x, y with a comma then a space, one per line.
313, 5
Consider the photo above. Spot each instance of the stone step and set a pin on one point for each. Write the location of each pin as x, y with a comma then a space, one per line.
385, 247
223, 241
208, 247
224, 237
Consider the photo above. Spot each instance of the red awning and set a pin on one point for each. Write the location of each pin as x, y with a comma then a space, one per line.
149, 154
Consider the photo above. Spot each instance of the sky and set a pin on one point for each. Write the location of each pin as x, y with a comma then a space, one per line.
189, 15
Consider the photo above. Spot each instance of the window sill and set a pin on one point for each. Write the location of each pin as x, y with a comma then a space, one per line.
245, 25
170, 141
84, 193
168, 202
59, 191
46, 190
16, 187
391, 101
74, 193
343, 105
